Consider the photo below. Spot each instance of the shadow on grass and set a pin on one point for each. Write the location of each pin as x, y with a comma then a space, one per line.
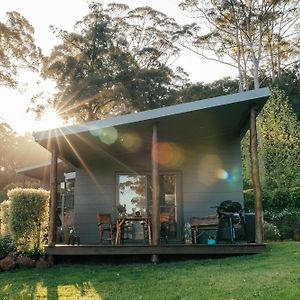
268, 274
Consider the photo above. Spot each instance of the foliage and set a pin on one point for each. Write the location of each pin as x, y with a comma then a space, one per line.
34, 253
279, 144
198, 91
247, 35
121, 209
29, 183
275, 200
285, 221
271, 232
101, 71
17, 48
6, 245
19, 151
273, 275
280, 134
29, 217
296, 225
4, 217
289, 82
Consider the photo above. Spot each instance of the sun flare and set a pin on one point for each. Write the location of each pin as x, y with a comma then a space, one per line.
50, 119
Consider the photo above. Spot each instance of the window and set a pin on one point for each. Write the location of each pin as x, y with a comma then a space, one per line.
65, 209
134, 195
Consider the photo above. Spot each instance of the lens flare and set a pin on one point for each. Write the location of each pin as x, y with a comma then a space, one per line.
94, 131
131, 141
222, 174
108, 135
209, 166
170, 155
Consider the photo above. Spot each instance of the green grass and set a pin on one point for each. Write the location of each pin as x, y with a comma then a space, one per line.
273, 275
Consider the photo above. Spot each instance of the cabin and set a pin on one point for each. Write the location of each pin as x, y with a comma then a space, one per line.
182, 161
41, 172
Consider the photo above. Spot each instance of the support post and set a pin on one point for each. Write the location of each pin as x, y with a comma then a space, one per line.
255, 177
53, 197
155, 189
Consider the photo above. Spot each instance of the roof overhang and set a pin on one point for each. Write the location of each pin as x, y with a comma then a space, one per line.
222, 117
42, 171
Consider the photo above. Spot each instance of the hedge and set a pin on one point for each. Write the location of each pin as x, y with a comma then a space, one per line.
28, 217
274, 200
4, 217
286, 221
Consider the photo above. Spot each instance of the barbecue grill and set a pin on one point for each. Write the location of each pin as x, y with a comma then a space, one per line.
231, 221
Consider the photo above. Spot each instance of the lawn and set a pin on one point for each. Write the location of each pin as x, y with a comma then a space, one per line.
273, 275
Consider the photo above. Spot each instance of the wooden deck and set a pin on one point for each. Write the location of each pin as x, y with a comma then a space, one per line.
178, 249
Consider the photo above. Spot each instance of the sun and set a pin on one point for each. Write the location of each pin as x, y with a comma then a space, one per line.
50, 119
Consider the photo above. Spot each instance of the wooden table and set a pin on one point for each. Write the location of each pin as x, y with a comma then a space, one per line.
121, 221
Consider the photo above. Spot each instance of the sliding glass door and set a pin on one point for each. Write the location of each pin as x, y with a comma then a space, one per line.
134, 195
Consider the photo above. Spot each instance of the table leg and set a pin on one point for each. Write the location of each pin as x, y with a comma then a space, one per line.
119, 231
149, 232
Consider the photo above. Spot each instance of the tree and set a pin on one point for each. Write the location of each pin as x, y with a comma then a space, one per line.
100, 71
279, 143
16, 152
200, 90
289, 81
247, 35
282, 39
17, 49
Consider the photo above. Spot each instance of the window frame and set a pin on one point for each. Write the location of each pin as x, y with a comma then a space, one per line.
178, 195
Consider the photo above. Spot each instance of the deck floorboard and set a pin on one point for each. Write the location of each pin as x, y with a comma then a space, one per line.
180, 249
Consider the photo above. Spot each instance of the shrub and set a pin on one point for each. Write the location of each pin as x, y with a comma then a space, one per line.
271, 232
34, 254
274, 200
30, 183
249, 200
4, 217
295, 197
6, 245
29, 217
280, 200
285, 221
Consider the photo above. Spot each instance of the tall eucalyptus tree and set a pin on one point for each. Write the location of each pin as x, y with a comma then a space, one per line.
248, 35
17, 49
115, 61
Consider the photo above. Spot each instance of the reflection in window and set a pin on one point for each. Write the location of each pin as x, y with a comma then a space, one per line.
132, 193
65, 210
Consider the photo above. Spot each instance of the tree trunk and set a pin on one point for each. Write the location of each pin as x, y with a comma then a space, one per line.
155, 190
255, 177
53, 198
255, 73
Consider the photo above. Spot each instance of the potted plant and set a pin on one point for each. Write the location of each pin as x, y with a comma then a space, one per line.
212, 239
121, 210
188, 233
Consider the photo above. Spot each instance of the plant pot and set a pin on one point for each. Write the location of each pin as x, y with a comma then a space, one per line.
211, 242
297, 235
188, 240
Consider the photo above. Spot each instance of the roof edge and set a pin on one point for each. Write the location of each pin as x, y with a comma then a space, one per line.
152, 114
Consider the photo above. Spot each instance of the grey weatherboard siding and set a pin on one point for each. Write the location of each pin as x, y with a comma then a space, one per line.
97, 193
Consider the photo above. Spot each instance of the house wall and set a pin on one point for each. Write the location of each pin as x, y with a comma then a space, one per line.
203, 168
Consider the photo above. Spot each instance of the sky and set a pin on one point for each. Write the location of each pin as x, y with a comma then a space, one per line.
64, 14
